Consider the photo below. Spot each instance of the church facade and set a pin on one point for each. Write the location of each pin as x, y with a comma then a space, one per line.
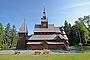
46, 36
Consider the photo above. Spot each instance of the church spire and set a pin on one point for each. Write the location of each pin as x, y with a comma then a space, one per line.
23, 28
44, 14
44, 20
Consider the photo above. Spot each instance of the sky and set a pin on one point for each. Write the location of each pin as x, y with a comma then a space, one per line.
57, 11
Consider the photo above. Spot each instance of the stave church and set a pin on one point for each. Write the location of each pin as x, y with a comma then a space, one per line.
45, 36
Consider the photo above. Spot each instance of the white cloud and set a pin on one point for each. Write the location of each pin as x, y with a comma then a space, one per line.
79, 5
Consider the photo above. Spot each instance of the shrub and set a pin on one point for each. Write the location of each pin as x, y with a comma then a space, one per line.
4, 46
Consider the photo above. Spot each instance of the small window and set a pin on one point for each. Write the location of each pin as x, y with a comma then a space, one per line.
44, 24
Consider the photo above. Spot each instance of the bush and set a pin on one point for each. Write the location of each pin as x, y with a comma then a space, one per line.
4, 46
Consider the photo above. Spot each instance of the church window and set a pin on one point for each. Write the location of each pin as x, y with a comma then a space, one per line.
44, 24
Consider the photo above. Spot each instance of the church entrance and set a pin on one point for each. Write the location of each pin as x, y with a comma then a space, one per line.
45, 46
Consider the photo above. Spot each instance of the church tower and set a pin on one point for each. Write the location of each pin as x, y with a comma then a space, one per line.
22, 36
44, 20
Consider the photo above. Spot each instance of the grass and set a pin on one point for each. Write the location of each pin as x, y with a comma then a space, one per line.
73, 56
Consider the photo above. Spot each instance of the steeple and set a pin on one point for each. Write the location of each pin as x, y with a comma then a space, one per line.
23, 28
44, 20
22, 34
44, 14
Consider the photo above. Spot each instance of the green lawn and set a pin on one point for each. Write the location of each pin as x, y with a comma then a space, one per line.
75, 56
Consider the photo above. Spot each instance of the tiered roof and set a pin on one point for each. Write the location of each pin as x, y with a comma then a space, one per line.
50, 28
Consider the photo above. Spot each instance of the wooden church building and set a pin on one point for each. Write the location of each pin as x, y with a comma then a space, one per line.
46, 36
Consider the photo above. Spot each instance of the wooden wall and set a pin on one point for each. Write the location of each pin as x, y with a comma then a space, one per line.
21, 41
49, 46
36, 46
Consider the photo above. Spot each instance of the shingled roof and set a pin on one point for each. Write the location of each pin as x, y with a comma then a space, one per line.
50, 28
42, 37
23, 28
46, 37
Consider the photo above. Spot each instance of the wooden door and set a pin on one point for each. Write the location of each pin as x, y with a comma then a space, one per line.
45, 46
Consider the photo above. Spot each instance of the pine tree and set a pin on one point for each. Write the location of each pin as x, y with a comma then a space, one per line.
13, 36
7, 34
1, 34
67, 28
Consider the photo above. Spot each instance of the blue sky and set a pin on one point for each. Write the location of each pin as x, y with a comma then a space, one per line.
57, 11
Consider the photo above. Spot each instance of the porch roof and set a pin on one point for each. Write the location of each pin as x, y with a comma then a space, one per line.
46, 42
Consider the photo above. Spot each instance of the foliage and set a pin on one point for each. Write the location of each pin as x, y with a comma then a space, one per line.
83, 32
1, 34
74, 39
4, 46
67, 28
13, 36
8, 36
85, 20
79, 31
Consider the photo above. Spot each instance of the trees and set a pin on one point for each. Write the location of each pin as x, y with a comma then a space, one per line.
8, 36
74, 39
67, 28
13, 36
81, 26
83, 31
1, 34
86, 28
85, 20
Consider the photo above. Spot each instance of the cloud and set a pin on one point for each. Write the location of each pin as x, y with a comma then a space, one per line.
79, 5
